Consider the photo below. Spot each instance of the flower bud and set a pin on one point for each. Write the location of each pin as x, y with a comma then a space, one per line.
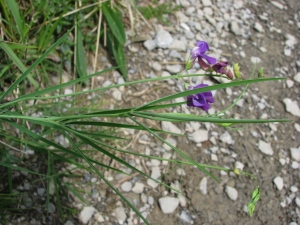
237, 171
189, 63
236, 71
260, 73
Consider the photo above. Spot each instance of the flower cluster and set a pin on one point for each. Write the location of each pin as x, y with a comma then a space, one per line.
207, 63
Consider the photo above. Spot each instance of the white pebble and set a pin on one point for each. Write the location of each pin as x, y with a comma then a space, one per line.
295, 153
231, 192
278, 181
297, 127
265, 148
291, 107
199, 136
297, 77
138, 188
226, 138
168, 204
86, 214
126, 186
203, 185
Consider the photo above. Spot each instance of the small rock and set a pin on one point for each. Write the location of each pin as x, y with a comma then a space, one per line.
226, 138
86, 214
291, 107
41, 191
170, 127
265, 148
214, 157
138, 188
126, 186
297, 201
51, 208
206, 2
178, 45
156, 66
258, 27
150, 45
235, 28
168, 204
199, 136
255, 60
277, 4
69, 222
174, 68
295, 153
185, 217
163, 39
295, 165
155, 172
278, 181
172, 141
239, 165
120, 214
297, 77
180, 172
289, 83
293, 188
231, 192
150, 200
203, 185
99, 218
297, 127
117, 94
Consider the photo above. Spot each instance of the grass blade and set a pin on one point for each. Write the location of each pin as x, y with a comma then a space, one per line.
18, 63
115, 23
34, 65
14, 8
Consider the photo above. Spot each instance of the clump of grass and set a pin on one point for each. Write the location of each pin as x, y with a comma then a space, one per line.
159, 11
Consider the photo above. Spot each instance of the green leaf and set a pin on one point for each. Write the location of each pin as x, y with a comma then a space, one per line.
14, 8
115, 23
18, 63
117, 50
80, 55
188, 117
34, 65
209, 88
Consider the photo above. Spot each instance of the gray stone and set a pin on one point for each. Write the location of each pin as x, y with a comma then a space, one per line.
150, 45
163, 39
277, 4
170, 127
258, 27
297, 77
86, 214
138, 188
265, 147
199, 136
126, 186
295, 153
168, 204
206, 2
174, 68
203, 185
231, 192
226, 138
291, 107
278, 181
120, 214
179, 45
156, 66
235, 28
51, 208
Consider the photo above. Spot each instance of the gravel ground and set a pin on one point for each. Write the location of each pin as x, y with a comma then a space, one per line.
265, 33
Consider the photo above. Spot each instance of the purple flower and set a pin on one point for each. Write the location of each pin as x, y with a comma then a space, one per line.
200, 100
221, 67
199, 52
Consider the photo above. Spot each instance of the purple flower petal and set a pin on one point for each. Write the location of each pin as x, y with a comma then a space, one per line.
210, 60
200, 100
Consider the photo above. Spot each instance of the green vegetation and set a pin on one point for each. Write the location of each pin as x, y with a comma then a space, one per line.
159, 11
